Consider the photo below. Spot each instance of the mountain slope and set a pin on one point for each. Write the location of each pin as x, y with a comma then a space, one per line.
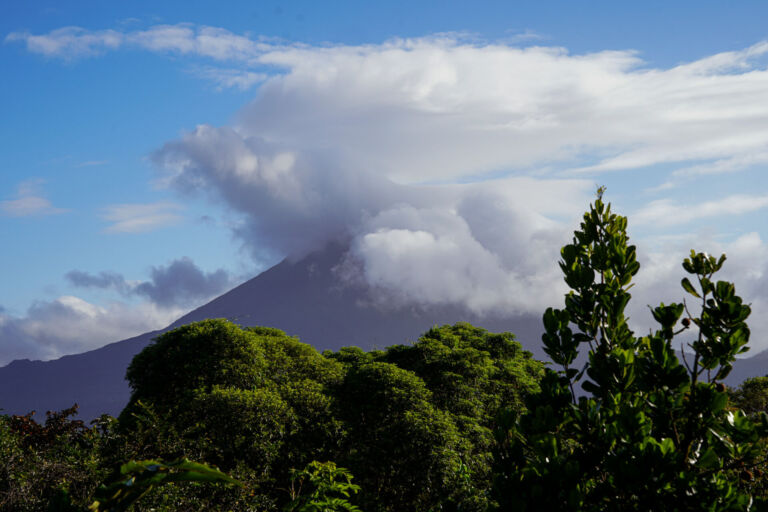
303, 298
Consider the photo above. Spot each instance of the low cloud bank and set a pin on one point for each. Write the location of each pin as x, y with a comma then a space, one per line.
70, 325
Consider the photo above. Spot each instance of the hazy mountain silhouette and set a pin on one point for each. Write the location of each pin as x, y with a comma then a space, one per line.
303, 298
755, 366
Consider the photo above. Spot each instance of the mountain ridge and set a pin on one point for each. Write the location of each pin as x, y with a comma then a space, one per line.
303, 298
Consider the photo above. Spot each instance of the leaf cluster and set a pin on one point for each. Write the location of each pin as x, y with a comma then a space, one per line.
646, 431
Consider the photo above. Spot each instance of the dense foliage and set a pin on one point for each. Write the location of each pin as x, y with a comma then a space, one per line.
460, 420
752, 396
413, 423
652, 432
49, 464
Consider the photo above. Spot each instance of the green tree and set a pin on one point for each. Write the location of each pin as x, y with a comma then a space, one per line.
241, 425
194, 358
652, 433
752, 395
466, 374
414, 423
472, 374
401, 448
254, 402
48, 466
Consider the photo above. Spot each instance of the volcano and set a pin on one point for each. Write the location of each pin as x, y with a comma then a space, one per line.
305, 298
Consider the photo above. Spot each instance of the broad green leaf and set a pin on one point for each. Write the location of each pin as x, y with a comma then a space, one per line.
689, 287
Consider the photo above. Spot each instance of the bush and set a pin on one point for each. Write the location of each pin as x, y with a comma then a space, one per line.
651, 433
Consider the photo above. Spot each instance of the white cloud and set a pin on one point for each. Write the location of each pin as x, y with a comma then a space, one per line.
70, 325
440, 110
661, 272
498, 236
29, 202
140, 217
666, 212
69, 42
231, 78
445, 108
446, 256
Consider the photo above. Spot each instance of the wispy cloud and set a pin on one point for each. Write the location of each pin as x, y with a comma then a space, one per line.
228, 78
666, 212
69, 43
141, 217
92, 163
29, 202
516, 36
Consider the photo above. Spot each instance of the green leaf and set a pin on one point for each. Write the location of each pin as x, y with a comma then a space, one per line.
689, 287
719, 401
709, 459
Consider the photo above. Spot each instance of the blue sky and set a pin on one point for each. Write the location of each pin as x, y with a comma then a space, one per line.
154, 155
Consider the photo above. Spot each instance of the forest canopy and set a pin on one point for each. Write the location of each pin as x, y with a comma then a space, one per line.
258, 404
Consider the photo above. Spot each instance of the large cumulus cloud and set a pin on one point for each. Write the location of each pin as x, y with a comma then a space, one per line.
484, 245
455, 171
